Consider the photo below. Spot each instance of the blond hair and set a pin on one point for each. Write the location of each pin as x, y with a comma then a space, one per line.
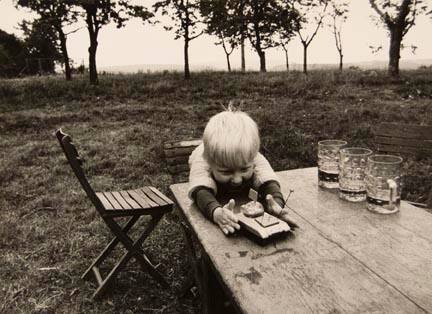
231, 139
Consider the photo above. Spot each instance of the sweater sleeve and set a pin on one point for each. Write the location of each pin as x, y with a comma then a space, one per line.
205, 201
263, 171
200, 173
272, 188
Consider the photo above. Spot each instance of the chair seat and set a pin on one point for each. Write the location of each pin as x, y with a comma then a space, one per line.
146, 200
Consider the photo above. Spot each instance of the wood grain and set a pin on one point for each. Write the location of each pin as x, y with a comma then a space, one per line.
319, 269
398, 248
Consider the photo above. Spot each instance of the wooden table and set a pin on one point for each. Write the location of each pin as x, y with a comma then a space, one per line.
342, 259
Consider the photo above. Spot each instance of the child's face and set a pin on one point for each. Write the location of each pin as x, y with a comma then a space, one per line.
234, 177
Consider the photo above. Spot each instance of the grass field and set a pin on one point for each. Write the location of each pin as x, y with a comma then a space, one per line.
49, 232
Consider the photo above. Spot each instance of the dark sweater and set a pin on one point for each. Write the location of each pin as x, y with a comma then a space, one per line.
207, 202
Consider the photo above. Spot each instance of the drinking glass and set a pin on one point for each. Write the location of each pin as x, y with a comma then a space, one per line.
383, 183
328, 163
352, 165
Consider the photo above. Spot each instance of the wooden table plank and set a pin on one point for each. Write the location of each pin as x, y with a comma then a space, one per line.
398, 247
307, 272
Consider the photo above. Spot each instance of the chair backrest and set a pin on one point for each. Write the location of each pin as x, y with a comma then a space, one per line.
405, 139
177, 154
76, 162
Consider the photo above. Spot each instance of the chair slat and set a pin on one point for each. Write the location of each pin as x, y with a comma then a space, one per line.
178, 169
154, 196
161, 195
185, 143
129, 200
147, 199
179, 151
178, 160
104, 201
421, 132
121, 200
398, 149
113, 200
415, 143
142, 202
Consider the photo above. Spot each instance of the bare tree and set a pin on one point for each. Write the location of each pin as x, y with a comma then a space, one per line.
220, 20
339, 15
263, 21
98, 13
398, 16
59, 14
312, 13
185, 15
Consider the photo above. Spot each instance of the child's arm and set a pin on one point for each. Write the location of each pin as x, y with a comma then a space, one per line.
271, 188
210, 207
279, 211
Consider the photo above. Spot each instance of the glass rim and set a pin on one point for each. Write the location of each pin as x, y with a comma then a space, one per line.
332, 142
396, 159
366, 151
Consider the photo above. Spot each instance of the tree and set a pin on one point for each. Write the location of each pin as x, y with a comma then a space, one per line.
398, 16
339, 15
289, 27
264, 19
310, 11
98, 13
283, 43
40, 40
12, 55
220, 20
186, 18
59, 14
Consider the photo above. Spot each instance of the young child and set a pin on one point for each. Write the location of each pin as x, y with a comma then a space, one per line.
226, 165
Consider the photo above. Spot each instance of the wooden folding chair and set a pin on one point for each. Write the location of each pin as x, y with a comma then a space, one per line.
110, 205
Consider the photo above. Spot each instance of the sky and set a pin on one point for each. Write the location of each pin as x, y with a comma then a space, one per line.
137, 43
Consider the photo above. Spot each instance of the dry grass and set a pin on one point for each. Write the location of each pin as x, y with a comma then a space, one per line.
49, 232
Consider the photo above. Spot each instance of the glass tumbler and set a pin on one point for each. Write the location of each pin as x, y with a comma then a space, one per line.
352, 166
383, 183
328, 163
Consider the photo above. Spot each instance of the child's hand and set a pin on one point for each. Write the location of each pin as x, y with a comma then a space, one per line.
225, 218
275, 209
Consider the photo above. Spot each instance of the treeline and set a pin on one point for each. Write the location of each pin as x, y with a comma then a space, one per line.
264, 24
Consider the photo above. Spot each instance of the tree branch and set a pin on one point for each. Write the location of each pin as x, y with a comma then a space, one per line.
74, 31
384, 16
198, 35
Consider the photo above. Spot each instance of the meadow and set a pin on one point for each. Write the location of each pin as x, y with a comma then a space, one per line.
49, 232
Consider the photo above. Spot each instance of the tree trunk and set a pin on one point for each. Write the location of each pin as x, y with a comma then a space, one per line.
63, 47
305, 58
340, 61
286, 59
93, 31
228, 61
394, 51
262, 61
92, 61
242, 50
186, 59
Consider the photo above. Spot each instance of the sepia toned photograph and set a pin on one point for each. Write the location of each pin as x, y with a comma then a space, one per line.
215, 156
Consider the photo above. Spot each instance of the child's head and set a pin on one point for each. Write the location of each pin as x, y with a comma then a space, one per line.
231, 142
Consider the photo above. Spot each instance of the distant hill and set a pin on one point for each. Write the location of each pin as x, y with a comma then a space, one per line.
366, 65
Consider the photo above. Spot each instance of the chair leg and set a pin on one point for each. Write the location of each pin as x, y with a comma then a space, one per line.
133, 250
142, 259
112, 274
108, 248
